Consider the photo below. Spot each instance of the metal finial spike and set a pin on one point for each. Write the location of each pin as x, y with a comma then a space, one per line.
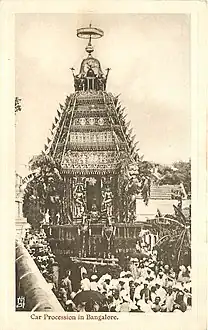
89, 33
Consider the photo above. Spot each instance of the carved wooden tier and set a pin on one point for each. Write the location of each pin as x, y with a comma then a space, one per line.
96, 240
93, 145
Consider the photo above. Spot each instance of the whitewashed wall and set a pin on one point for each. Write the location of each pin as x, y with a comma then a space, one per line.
149, 211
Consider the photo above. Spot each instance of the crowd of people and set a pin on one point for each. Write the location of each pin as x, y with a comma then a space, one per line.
147, 286
37, 245
144, 285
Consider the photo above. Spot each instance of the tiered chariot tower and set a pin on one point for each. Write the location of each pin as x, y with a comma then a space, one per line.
92, 143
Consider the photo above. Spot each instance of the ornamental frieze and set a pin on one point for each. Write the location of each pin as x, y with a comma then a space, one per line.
90, 107
90, 121
91, 100
89, 94
101, 147
90, 171
91, 137
89, 113
89, 128
92, 159
94, 166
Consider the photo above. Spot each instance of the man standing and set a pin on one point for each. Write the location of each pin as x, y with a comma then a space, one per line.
66, 283
145, 292
93, 283
160, 292
169, 300
85, 282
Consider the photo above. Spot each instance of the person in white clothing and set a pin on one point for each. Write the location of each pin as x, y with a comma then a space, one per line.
153, 294
114, 284
93, 283
116, 301
169, 300
160, 292
83, 270
161, 278
106, 283
85, 283
138, 288
125, 305
122, 284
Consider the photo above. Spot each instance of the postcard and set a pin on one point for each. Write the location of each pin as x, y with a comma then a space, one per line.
103, 164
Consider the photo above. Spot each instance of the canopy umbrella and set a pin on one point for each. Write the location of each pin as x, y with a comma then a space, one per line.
88, 295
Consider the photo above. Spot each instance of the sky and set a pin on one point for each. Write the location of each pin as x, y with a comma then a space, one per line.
149, 57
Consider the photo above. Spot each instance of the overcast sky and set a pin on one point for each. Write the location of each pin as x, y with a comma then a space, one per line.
150, 60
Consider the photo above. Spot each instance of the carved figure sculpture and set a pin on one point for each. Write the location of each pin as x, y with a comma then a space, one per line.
79, 200
107, 202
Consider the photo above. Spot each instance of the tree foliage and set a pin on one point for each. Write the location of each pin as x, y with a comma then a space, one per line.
45, 190
174, 244
179, 172
145, 168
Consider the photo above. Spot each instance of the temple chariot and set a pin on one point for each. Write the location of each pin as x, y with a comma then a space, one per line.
98, 158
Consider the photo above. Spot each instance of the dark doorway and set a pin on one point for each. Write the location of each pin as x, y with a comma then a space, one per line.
93, 193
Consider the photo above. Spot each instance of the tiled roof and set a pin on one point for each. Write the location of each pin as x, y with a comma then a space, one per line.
165, 192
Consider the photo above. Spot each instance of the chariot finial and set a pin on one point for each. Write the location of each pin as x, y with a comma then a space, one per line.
89, 33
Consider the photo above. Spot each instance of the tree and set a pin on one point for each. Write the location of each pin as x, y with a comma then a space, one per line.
145, 168
44, 193
179, 172
174, 244
184, 174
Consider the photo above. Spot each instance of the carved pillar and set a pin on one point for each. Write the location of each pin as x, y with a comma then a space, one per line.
67, 199
116, 198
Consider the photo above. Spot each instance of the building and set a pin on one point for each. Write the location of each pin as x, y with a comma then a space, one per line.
162, 198
20, 222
